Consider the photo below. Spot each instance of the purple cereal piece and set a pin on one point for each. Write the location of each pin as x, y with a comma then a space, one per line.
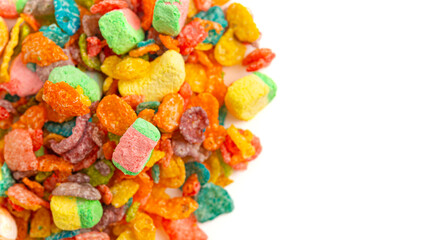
110, 215
98, 136
82, 148
90, 25
44, 72
77, 133
79, 178
18, 175
83, 190
193, 121
182, 148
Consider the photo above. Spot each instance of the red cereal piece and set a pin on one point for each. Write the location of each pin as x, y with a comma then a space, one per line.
4, 114
88, 160
191, 35
186, 92
8, 9
93, 46
18, 194
51, 182
18, 151
183, 229
106, 194
37, 138
106, 6
258, 59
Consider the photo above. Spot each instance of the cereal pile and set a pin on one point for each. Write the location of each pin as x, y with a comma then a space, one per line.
106, 104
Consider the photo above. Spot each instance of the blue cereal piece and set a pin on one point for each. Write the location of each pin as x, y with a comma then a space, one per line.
202, 172
145, 43
31, 66
212, 201
223, 111
6, 180
148, 105
54, 33
214, 14
67, 16
155, 173
64, 129
63, 234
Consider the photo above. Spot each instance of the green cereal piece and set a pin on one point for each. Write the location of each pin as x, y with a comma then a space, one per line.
92, 62
74, 77
25, 31
270, 83
148, 105
147, 129
212, 201
40, 152
41, 176
89, 211
6, 180
85, 3
95, 176
223, 112
20, 4
200, 169
119, 34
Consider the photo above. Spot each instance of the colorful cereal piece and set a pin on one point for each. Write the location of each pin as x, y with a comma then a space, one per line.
115, 114
196, 77
172, 176
18, 151
166, 75
8, 9
6, 180
191, 186
193, 123
75, 77
169, 16
67, 16
96, 178
249, 95
71, 189
198, 168
121, 29
23, 81
8, 228
54, 33
242, 22
38, 8
21, 196
212, 201
214, 14
72, 213
155, 173
135, 146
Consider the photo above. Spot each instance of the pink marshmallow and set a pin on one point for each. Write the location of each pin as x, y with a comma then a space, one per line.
132, 18
133, 150
183, 9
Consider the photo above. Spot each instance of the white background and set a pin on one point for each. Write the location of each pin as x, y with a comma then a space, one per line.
343, 138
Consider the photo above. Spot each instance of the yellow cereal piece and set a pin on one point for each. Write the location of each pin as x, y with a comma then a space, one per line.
122, 192
131, 68
223, 181
85, 100
204, 46
65, 212
173, 176
4, 34
14, 39
143, 227
228, 50
215, 168
166, 75
192, 10
196, 77
240, 19
247, 96
109, 65
127, 235
246, 148
156, 155
107, 83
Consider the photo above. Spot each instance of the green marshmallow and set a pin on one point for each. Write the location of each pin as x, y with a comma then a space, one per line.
270, 83
89, 211
74, 77
166, 18
147, 129
119, 34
